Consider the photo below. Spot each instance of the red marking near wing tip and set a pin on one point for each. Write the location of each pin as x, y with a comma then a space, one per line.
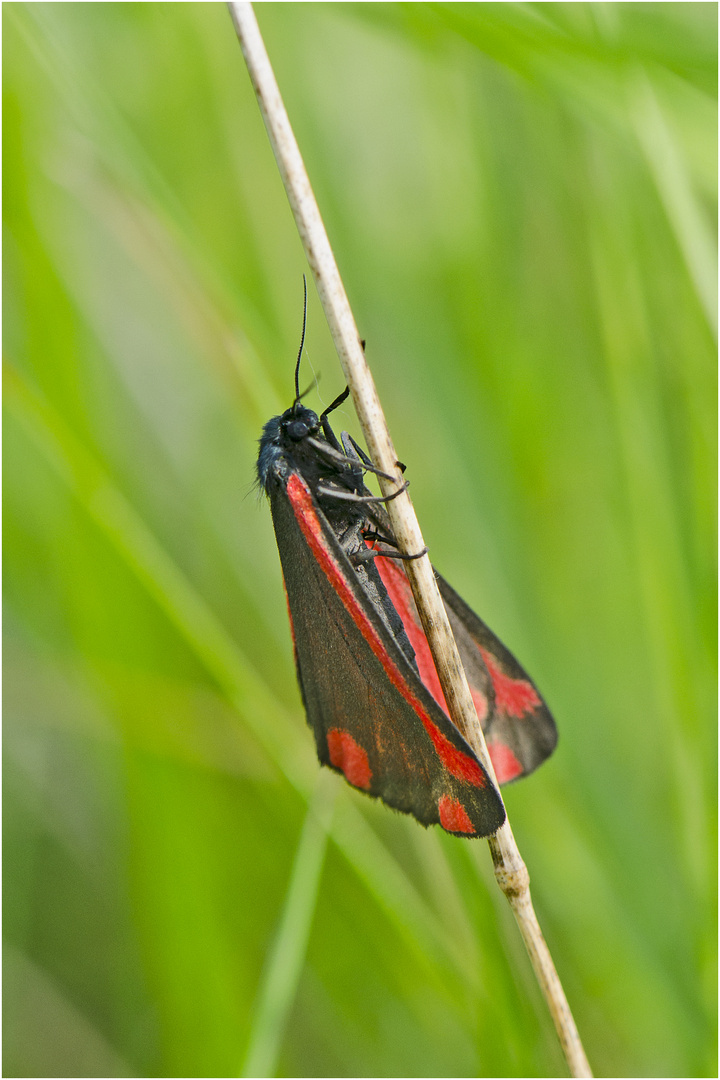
458, 764
349, 756
453, 815
505, 764
515, 697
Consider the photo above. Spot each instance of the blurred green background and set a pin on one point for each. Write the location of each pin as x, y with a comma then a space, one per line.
522, 201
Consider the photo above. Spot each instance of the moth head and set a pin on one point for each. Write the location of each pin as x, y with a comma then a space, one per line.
298, 422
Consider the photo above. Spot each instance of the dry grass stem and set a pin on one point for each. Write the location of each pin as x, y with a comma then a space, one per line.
510, 870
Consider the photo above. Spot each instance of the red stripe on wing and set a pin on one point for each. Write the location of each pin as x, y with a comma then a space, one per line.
457, 763
398, 587
401, 595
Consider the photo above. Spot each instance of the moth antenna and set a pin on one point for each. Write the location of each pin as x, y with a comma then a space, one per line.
302, 342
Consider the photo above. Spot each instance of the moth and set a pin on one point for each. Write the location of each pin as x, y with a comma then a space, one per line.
367, 679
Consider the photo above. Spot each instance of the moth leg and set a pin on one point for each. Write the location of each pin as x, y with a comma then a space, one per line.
356, 453
351, 496
325, 423
337, 457
398, 555
377, 537
352, 450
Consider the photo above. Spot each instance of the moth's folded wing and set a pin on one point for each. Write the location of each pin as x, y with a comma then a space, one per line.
372, 717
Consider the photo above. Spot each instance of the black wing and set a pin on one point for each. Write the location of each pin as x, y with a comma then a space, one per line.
373, 718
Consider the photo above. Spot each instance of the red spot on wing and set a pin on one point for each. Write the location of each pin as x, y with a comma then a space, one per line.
350, 758
458, 764
480, 702
506, 765
453, 815
514, 697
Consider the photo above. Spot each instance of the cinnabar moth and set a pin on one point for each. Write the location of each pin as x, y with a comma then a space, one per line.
367, 679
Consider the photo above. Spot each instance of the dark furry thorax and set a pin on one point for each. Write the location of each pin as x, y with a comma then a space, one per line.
281, 437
